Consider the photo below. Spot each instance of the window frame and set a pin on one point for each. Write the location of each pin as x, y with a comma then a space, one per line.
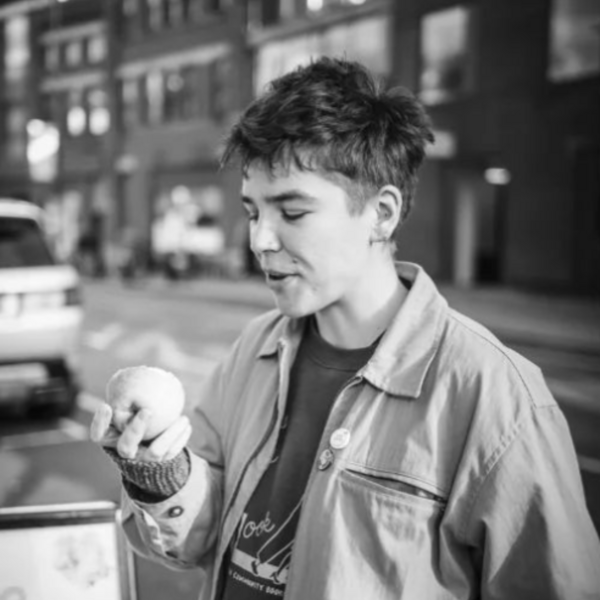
469, 56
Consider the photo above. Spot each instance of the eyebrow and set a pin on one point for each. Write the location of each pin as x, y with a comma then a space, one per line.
287, 196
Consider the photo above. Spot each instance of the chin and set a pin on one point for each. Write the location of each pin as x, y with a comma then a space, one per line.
295, 310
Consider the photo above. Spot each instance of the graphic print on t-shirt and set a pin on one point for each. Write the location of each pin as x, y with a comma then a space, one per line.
263, 550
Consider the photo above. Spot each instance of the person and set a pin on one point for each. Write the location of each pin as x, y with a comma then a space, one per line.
133, 260
362, 440
90, 246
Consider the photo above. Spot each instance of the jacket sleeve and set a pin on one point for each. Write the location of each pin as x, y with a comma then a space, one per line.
181, 531
529, 525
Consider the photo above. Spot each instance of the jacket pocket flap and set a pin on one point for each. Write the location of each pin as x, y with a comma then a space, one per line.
394, 482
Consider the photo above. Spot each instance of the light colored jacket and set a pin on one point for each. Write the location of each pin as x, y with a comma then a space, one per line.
459, 479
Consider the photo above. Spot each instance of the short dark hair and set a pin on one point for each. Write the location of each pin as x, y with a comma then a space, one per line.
334, 117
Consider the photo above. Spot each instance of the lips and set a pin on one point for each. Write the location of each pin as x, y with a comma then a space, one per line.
274, 275
277, 276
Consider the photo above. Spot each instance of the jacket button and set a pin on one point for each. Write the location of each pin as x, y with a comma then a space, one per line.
175, 511
325, 459
339, 439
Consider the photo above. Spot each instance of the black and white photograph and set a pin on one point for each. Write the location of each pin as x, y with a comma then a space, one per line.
300, 299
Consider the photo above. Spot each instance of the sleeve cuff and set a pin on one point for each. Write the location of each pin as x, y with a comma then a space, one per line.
152, 481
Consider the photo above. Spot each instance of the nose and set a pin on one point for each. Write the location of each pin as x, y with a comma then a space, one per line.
264, 236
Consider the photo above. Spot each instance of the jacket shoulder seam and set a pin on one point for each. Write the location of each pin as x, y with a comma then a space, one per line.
498, 347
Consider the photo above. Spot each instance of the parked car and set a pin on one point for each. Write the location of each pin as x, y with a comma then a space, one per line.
40, 315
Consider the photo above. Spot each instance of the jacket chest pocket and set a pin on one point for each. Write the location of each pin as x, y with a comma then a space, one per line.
391, 506
386, 533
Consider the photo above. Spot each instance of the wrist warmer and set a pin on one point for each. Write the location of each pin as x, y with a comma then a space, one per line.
152, 481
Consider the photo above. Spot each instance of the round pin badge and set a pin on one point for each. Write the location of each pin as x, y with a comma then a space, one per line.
339, 439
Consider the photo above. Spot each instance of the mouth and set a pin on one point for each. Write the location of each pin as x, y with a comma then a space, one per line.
277, 276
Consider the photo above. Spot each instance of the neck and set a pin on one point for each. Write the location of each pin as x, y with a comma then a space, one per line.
357, 322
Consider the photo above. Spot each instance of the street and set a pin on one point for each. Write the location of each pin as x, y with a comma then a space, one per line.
52, 461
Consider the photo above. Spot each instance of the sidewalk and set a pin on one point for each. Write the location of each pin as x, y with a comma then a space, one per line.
559, 322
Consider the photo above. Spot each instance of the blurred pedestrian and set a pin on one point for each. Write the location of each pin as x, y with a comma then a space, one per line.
133, 260
90, 246
363, 440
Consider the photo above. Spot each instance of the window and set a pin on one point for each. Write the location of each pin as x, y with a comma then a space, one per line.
212, 6
365, 40
574, 39
318, 5
198, 82
43, 142
287, 9
99, 116
129, 11
193, 91
16, 122
175, 12
74, 53
16, 55
16, 36
22, 244
156, 16
190, 92
154, 97
51, 108
175, 96
96, 49
76, 115
52, 57
129, 103
200, 9
46, 107
262, 14
446, 63
219, 88
254, 15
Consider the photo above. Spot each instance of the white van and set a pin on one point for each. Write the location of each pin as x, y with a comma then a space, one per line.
40, 315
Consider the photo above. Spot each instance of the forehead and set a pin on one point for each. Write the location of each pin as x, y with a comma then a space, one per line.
260, 181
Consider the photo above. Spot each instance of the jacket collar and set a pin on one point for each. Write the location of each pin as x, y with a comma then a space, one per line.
285, 331
406, 351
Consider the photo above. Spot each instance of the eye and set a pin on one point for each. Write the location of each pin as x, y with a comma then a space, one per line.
292, 215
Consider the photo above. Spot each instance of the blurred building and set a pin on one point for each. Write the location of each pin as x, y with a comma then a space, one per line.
283, 34
512, 193
181, 74
136, 96
56, 115
113, 113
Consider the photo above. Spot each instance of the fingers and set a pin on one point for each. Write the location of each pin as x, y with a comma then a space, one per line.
129, 441
169, 443
101, 424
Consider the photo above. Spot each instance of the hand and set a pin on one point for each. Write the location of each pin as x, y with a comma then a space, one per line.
128, 443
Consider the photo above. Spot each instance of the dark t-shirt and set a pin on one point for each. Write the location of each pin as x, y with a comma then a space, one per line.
260, 553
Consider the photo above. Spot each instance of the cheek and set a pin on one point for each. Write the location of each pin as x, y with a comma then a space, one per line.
328, 249
346, 248
332, 261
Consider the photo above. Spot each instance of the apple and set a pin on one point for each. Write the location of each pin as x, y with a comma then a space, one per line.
131, 389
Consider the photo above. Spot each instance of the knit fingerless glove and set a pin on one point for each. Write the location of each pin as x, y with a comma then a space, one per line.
152, 482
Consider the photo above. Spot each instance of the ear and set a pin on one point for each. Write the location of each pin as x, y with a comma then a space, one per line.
388, 210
